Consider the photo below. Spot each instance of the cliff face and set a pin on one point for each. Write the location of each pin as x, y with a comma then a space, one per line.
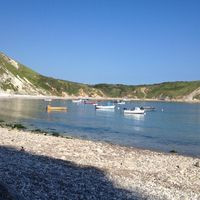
12, 79
16, 78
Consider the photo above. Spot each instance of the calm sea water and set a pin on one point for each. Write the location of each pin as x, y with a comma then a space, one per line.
176, 128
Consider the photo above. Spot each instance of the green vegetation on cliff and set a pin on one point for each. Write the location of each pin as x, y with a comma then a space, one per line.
47, 85
119, 90
19, 79
168, 90
172, 90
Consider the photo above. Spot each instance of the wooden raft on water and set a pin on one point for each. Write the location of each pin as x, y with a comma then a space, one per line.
53, 108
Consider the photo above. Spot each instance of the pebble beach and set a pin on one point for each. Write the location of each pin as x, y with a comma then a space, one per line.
39, 166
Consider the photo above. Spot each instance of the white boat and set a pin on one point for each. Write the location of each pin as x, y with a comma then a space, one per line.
77, 101
121, 103
48, 100
104, 107
136, 110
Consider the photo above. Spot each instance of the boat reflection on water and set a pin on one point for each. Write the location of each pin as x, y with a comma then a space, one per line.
50, 108
135, 116
105, 112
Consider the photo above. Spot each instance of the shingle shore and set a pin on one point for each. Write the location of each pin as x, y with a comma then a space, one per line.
37, 166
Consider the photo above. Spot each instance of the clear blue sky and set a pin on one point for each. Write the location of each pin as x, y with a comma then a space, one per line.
110, 41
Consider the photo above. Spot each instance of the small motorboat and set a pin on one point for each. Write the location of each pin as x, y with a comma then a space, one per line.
77, 100
147, 108
53, 108
90, 102
121, 102
104, 107
136, 110
48, 100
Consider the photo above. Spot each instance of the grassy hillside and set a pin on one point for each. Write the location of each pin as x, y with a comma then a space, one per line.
19, 79
48, 85
120, 90
168, 90
173, 90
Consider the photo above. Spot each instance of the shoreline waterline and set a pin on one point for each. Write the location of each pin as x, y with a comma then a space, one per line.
13, 96
154, 175
157, 130
21, 127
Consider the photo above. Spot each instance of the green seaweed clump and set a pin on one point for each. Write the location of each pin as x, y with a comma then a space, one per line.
173, 151
18, 126
55, 134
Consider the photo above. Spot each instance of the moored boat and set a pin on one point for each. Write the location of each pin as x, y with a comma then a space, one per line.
147, 108
104, 107
48, 100
136, 110
90, 102
77, 100
53, 108
121, 102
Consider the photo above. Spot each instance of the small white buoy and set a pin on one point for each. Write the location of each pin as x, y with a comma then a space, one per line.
162, 109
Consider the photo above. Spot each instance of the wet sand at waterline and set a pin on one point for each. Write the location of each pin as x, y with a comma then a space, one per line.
38, 166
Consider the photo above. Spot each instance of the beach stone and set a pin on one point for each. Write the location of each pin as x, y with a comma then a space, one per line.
197, 164
63, 157
22, 149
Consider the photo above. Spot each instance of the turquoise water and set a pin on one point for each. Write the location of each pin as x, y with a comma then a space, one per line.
176, 128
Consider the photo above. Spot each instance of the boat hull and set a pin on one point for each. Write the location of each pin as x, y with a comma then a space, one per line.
105, 107
148, 108
48, 100
121, 103
77, 101
90, 102
50, 108
134, 112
